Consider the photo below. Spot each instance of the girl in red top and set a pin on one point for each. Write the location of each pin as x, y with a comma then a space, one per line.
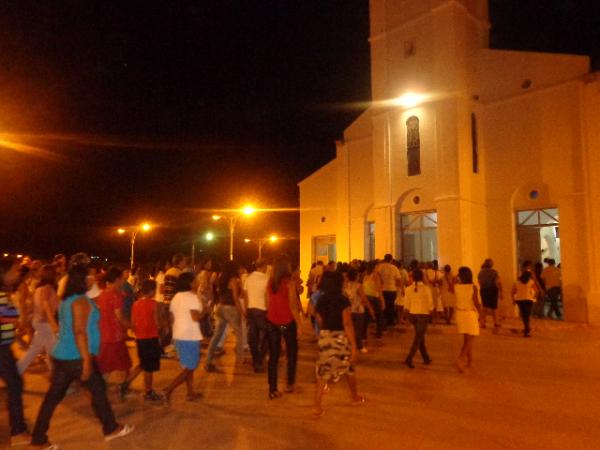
283, 318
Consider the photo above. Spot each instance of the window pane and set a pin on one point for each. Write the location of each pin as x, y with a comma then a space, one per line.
549, 216
413, 146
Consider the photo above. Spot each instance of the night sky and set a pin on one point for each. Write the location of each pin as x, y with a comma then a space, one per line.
151, 110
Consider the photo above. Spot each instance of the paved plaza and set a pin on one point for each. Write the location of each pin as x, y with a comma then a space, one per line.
522, 394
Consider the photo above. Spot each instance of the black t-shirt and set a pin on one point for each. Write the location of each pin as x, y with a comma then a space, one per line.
330, 308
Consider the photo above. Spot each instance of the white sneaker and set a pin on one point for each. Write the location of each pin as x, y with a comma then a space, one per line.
127, 429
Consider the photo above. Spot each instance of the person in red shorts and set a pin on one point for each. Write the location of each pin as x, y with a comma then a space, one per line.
144, 323
114, 356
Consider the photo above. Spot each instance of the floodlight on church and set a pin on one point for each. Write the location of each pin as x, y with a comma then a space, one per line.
409, 100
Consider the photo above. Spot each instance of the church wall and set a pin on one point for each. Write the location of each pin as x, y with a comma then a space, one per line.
590, 93
533, 143
318, 199
361, 193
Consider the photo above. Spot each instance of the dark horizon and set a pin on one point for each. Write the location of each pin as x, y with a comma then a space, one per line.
151, 111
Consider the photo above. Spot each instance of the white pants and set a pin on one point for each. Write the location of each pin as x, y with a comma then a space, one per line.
43, 341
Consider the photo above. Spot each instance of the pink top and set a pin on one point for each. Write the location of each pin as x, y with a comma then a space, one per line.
279, 312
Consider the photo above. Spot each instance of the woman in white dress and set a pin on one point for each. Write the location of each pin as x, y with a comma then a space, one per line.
447, 293
468, 309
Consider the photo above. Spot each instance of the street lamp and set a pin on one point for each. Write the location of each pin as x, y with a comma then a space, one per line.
144, 227
209, 237
261, 242
232, 220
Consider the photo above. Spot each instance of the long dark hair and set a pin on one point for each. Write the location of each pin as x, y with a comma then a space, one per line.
77, 280
230, 270
332, 283
281, 271
417, 277
525, 277
47, 276
465, 275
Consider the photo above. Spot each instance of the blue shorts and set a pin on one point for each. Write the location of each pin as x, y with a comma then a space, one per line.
189, 353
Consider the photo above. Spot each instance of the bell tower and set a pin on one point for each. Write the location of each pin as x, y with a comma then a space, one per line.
428, 50
424, 45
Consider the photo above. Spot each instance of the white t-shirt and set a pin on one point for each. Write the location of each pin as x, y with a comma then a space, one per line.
256, 286
389, 276
184, 327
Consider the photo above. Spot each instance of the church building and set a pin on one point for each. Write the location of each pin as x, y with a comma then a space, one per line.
465, 153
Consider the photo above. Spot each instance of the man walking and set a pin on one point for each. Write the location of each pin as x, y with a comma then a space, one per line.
255, 288
390, 277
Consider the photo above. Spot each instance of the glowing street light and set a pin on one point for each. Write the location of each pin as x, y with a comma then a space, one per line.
247, 210
209, 236
144, 227
261, 242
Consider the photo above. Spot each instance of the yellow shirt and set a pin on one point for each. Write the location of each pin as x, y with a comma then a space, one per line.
551, 277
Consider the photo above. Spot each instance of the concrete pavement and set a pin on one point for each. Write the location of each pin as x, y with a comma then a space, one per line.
537, 393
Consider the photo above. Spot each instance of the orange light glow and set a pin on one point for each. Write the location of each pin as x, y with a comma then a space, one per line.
121, 230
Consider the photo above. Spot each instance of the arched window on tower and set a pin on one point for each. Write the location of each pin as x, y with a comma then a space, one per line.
413, 146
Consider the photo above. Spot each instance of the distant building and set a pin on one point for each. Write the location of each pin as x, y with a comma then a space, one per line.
464, 153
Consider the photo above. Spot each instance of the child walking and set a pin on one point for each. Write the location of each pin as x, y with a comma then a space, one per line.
144, 323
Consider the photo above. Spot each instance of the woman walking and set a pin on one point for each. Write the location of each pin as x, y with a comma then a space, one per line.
44, 322
337, 343
447, 293
359, 304
372, 287
419, 303
468, 310
75, 358
283, 321
229, 312
490, 289
524, 294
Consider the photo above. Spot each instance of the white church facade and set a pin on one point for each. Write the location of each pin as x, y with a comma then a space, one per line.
464, 153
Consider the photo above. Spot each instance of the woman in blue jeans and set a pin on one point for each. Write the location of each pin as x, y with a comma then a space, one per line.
74, 358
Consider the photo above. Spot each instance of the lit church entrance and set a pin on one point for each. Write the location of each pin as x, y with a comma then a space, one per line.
324, 249
417, 236
538, 235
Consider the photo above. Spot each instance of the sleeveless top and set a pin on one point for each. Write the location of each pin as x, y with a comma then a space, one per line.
39, 313
464, 297
351, 292
66, 348
279, 312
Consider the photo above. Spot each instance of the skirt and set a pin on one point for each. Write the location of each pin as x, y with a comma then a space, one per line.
334, 356
467, 322
489, 297
113, 356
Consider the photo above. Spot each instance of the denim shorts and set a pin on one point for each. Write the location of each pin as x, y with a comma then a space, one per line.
189, 353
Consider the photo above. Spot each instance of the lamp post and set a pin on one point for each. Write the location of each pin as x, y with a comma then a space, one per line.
261, 242
209, 237
144, 227
232, 220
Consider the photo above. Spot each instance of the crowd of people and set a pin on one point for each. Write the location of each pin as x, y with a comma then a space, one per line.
82, 320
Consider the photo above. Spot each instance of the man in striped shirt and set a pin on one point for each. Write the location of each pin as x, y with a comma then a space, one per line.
9, 277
